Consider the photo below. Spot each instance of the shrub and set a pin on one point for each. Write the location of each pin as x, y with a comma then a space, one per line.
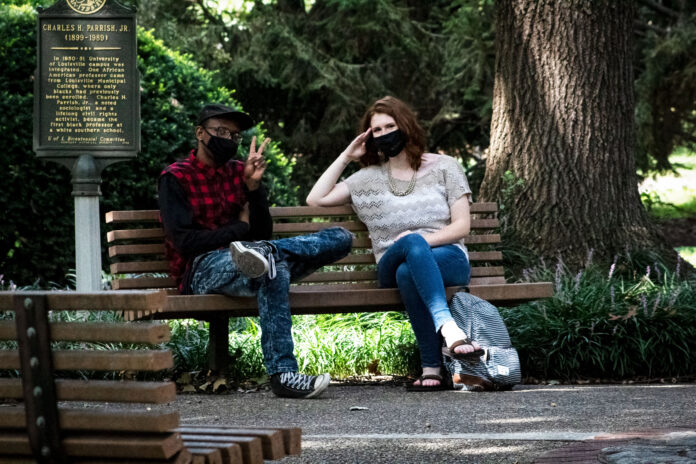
609, 324
37, 233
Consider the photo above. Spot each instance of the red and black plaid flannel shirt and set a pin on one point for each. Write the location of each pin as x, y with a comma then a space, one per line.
216, 195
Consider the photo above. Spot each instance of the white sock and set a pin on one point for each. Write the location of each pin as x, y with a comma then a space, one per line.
451, 331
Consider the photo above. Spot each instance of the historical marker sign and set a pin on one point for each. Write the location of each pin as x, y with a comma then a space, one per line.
86, 107
87, 98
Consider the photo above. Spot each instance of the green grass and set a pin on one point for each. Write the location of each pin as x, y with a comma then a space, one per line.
672, 195
343, 345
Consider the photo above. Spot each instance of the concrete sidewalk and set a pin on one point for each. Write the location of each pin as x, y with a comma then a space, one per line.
385, 424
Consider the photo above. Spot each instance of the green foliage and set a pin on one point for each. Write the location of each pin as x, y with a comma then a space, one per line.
672, 194
665, 84
310, 68
311, 72
611, 324
341, 344
356, 344
37, 232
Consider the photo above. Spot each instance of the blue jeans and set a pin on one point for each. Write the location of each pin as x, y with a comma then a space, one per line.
295, 257
422, 273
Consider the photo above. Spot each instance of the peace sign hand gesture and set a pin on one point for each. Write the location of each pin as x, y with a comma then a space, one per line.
255, 165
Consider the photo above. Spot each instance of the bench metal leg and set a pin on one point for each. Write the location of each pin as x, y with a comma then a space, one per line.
218, 343
34, 337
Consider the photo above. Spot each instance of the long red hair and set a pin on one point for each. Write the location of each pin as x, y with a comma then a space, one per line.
407, 122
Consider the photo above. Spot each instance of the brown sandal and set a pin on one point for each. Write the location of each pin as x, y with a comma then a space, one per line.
472, 356
421, 388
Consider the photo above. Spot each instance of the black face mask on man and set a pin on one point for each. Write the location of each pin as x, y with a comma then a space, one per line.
391, 144
221, 149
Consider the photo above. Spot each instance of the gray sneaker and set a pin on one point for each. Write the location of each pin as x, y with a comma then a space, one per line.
296, 385
254, 259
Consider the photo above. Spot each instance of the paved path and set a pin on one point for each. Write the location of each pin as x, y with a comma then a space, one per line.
385, 424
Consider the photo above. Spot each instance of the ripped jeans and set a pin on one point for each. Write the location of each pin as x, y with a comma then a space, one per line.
295, 257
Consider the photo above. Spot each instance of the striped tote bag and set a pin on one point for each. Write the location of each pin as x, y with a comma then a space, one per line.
499, 367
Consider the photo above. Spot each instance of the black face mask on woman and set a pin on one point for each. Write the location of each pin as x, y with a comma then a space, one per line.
391, 144
221, 149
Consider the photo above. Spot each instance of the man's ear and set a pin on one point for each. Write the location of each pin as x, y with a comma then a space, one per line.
199, 133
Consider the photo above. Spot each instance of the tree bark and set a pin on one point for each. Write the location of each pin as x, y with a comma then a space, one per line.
563, 123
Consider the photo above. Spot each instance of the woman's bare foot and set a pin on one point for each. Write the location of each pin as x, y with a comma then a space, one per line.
451, 332
429, 382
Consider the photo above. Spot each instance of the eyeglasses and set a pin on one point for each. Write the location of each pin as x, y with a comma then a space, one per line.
225, 133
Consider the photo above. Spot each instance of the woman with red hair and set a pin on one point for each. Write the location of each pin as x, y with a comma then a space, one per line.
416, 208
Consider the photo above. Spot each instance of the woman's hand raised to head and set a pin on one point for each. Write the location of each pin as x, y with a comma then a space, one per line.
325, 191
356, 149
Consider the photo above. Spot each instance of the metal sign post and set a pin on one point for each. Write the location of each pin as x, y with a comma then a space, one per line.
87, 107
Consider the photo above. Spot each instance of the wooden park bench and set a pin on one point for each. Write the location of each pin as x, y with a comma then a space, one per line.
136, 247
53, 409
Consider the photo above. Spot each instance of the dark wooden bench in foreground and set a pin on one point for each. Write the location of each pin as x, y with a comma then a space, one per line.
136, 247
71, 419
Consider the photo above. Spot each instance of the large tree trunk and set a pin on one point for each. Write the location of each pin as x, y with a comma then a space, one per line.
563, 123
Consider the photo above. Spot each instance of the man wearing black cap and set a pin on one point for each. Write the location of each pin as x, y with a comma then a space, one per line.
217, 239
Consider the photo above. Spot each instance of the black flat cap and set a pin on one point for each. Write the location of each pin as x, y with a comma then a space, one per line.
216, 110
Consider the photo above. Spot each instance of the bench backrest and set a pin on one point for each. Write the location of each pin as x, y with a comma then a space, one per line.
136, 246
33, 349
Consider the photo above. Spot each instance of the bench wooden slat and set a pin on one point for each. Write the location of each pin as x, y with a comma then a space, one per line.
100, 390
360, 258
349, 276
105, 301
356, 226
474, 256
142, 282
292, 436
151, 446
252, 450
342, 276
358, 242
130, 234
163, 266
207, 455
140, 332
183, 456
271, 440
146, 215
478, 281
485, 271
331, 276
91, 419
277, 212
309, 227
346, 210
365, 242
117, 360
139, 266
304, 301
231, 453
150, 249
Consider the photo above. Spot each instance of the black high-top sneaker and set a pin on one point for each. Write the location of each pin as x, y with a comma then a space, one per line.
296, 385
254, 259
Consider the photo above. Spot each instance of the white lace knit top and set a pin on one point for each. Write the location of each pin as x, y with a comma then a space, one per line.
440, 182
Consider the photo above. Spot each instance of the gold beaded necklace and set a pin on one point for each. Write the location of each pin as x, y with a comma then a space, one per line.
392, 187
